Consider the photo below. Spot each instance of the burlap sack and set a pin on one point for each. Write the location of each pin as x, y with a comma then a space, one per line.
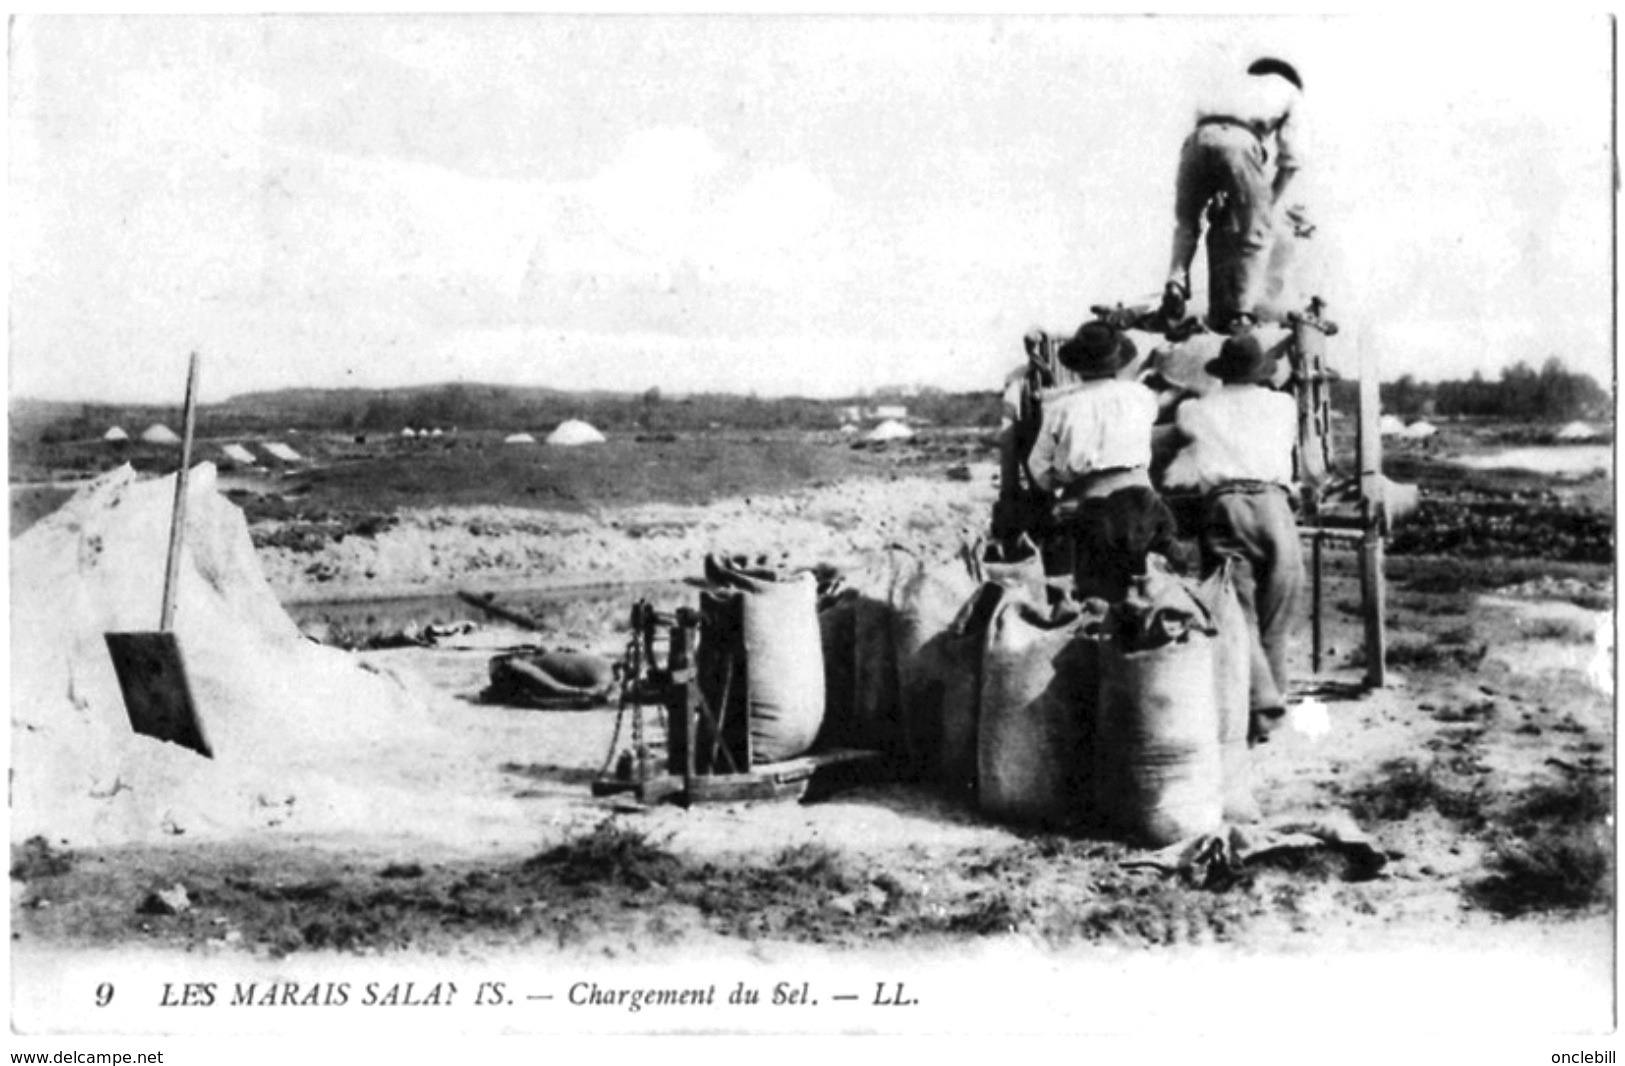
1038, 692
1158, 772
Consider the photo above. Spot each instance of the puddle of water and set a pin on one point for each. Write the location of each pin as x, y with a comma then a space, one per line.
581, 612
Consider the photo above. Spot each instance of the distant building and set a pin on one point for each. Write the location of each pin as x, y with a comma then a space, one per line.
896, 412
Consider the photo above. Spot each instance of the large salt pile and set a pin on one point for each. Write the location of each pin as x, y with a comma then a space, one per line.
303, 735
572, 432
891, 430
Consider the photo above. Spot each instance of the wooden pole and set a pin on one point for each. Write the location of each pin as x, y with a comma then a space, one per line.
1309, 333
177, 518
1372, 605
1317, 640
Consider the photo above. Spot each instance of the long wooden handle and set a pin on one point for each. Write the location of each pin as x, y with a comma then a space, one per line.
177, 521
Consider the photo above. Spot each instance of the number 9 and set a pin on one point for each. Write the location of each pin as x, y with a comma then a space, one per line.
104, 994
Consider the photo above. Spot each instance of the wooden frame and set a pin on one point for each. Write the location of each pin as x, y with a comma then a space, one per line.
720, 767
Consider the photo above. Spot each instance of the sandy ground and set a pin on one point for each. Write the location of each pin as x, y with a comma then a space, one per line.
502, 549
1528, 704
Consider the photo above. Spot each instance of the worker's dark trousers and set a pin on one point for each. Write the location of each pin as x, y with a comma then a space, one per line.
1222, 172
1111, 536
1255, 528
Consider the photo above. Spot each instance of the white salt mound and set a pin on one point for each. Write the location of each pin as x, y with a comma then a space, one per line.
890, 430
1577, 431
573, 432
302, 734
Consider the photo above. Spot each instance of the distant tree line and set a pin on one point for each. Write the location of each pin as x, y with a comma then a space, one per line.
1551, 393
493, 407
485, 407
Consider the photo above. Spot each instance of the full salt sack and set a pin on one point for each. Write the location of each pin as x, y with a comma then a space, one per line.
1039, 686
771, 621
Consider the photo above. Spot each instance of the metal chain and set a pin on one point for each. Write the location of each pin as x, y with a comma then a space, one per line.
632, 663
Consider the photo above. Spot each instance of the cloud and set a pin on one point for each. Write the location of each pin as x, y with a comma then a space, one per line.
856, 199
673, 215
653, 197
769, 229
767, 364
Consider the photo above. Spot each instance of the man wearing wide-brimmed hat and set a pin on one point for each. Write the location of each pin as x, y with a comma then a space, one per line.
1093, 453
1236, 167
1237, 450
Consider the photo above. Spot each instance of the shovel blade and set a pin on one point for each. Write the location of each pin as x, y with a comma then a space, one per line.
152, 676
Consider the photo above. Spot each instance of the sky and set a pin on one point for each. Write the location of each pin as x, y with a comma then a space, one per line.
781, 205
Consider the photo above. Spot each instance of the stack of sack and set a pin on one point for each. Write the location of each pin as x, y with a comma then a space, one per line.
902, 642
1128, 718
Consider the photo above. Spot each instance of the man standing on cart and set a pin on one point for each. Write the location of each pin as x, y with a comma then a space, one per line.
1236, 166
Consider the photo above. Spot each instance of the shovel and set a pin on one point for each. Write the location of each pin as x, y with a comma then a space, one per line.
151, 671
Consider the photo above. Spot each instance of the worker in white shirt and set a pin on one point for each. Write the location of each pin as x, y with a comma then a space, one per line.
1236, 166
1093, 454
1238, 445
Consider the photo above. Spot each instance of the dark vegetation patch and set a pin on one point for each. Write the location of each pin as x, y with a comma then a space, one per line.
1443, 575
29, 505
1401, 788
617, 473
1550, 850
1477, 711
1568, 869
38, 460
617, 886
1434, 642
308, 535
1563, 630
1488, 527
1433, 654
35, 858
1549, 845
611, 855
